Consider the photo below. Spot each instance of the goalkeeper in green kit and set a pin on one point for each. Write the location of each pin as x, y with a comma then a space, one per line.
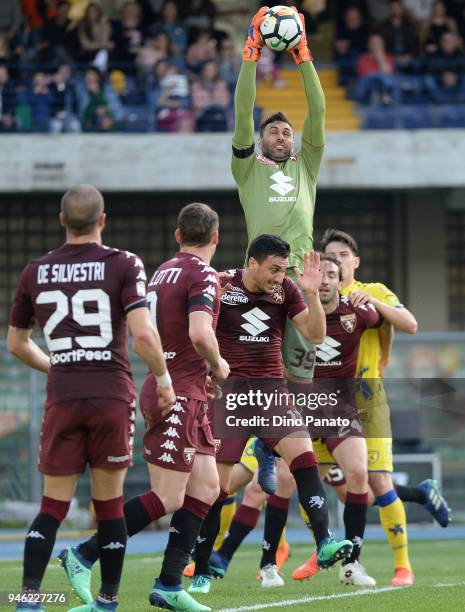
277, 187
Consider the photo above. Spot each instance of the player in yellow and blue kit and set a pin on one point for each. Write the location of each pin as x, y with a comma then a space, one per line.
373, 357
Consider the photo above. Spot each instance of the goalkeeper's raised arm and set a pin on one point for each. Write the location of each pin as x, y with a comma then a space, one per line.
277, 188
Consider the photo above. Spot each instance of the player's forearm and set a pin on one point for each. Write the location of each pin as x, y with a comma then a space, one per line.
401, 318
314, 125
244, 100
386, 337
316, 319
148, 346
206, 345
29, 353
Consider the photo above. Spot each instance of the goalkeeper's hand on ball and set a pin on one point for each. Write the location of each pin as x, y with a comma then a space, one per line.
301, 52
254, 42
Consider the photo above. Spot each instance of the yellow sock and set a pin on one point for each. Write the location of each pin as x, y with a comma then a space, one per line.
394, 522
304, 516
227, 513
282, 541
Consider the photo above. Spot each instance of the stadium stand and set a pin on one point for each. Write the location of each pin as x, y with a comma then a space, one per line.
170, 66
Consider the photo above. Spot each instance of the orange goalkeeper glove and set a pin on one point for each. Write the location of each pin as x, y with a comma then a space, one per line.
301, 52
254, 42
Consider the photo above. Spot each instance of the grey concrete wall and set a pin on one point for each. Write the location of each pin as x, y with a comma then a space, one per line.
186, 162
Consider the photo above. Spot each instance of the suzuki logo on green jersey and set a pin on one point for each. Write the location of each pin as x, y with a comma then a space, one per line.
282, 183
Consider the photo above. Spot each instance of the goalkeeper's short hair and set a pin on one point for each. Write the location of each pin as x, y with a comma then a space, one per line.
272, 119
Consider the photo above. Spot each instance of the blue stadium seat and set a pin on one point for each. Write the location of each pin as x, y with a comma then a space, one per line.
379, 118
135, 119
416, 117
450, 116
411, 90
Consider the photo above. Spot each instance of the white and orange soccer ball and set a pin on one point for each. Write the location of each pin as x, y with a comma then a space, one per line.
281, 29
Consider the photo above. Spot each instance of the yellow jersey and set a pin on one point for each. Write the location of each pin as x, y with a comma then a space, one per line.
370, 348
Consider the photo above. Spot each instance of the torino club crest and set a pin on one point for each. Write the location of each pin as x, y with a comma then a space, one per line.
188, 455
278, 294
349, 322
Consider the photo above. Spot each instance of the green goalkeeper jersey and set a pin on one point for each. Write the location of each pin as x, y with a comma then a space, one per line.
279, 198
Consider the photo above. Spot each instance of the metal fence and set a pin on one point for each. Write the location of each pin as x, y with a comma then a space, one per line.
425, 356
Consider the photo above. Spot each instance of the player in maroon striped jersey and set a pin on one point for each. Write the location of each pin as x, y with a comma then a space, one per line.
183, 295
84, 296
253, 316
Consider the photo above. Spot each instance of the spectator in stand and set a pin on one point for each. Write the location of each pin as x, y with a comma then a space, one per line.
211, 100
446, 79
150, 9
10, 53
171, 100
434, 27
350, 42
127, 36
40, 99
378, 10
5, 52
7, 101
203, 50
420, 9
35, 12
375, 70
229, 62
198, 14
156, 48
10, 18
311, 21
401, 37
169, 22
94, 33
99, 106
65, 106
59, 41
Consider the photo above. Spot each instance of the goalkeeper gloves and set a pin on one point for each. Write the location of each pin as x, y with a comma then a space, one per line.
301, 52
254, 42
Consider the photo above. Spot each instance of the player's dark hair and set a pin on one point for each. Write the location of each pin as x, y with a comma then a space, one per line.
272, 118
334, 235
268, 245
81, 207
335, 261
197, 223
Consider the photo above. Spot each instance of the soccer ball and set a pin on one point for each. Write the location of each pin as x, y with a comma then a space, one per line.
281, 29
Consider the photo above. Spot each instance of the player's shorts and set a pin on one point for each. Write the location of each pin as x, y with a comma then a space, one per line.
280, 419
97, 431
373, 408
297, 353
171, 441
374, 413
248, 459
379, 454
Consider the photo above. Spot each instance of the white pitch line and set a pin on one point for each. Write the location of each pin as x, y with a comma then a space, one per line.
311, 598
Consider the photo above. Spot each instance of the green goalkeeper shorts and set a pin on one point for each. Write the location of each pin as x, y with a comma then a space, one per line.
298, 354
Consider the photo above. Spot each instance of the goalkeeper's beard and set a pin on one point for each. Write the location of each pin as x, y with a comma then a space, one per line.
277, 156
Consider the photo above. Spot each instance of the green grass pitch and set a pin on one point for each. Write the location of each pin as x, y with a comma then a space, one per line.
438, 567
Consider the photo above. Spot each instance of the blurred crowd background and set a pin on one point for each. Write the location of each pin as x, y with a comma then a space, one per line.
171, 65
